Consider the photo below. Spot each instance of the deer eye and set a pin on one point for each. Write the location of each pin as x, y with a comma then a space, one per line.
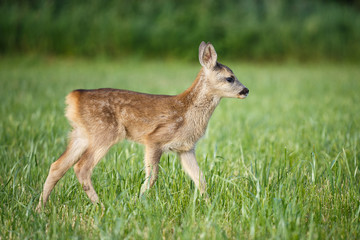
230, 79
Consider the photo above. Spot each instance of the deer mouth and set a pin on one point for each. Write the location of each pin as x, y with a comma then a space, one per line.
244, 93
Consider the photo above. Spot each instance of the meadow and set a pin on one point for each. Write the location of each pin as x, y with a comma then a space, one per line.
281, 164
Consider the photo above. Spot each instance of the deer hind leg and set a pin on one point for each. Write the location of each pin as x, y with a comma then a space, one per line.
76, 147
91, 157
152, 158
84, 167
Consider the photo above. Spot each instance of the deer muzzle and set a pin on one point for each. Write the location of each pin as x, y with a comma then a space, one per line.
243, 93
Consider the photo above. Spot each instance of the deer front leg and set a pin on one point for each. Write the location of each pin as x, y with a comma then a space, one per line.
191, 167
152, 158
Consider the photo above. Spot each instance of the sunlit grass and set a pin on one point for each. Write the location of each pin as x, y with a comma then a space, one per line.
283, 163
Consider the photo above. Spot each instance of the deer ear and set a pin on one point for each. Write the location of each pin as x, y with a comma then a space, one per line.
207, 55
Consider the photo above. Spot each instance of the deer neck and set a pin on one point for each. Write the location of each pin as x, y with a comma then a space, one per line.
198, 100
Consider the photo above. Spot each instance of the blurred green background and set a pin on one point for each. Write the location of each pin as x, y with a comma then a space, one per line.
240, 29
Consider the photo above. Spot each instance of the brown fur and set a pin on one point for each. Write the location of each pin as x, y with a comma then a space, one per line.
102, 117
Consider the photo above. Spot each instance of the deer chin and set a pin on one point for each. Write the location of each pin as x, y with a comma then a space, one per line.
242, 96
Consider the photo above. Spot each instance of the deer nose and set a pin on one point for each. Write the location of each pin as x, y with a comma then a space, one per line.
245, 91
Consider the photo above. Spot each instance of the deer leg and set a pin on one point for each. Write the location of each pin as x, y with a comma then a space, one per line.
191, 167
76, 147
84, 167
152, 158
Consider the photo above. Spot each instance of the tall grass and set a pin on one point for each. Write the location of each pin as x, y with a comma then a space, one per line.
282, 164
245, 29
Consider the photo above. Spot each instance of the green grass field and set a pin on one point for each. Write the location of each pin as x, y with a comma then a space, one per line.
281, 164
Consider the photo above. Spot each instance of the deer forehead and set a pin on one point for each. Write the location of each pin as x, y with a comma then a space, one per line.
222, 68
220, 71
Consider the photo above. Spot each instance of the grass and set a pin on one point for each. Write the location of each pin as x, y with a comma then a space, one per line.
282, 164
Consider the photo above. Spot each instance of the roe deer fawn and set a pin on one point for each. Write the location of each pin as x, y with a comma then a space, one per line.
100, 118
